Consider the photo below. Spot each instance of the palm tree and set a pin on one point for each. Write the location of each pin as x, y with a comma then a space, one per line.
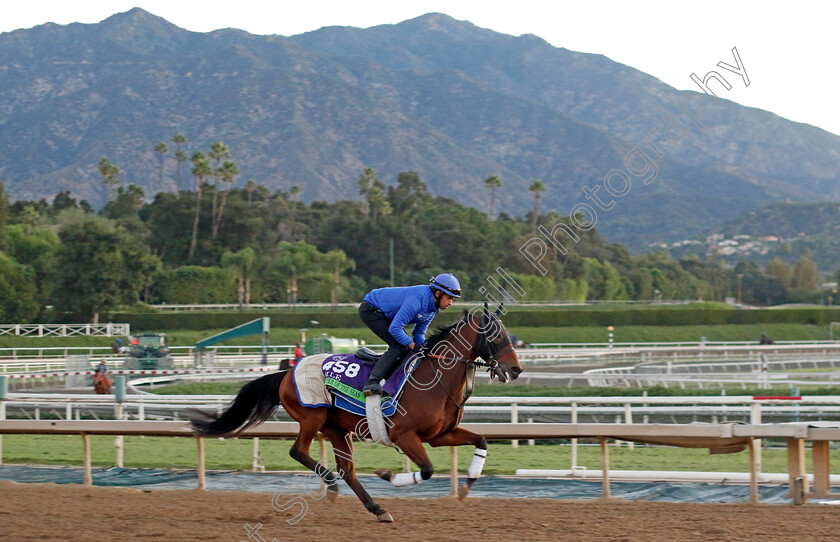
110, 175
250, 188
180, 155
218, 153
200, 171
537, 187
295, 192
161, 148
296, 261
336, 262
492, 182
227, 173
242, 263
136, 195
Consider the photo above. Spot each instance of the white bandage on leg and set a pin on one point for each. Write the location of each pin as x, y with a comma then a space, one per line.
406, 479
477, 463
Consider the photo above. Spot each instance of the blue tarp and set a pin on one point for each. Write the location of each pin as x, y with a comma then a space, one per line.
487, 486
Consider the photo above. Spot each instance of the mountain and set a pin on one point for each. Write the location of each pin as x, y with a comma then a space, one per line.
452, 101
792, 159
780, 230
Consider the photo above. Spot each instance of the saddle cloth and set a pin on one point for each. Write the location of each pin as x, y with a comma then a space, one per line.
309, 382
344, 375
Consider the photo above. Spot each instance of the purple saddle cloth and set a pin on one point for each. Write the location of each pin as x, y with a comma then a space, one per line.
345, 375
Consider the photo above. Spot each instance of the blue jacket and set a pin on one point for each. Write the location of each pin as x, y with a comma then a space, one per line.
406, 305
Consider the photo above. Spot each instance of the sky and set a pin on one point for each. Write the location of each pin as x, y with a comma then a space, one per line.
784, 50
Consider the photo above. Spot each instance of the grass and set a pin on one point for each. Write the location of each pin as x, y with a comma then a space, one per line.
573, 334
235, 454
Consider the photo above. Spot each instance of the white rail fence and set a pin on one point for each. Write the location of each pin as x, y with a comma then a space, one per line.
686, 435
66, 330
622, 409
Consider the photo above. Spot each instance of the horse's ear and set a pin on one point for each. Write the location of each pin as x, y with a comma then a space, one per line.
499, 310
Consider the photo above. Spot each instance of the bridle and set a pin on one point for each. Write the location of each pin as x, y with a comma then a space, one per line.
487, 355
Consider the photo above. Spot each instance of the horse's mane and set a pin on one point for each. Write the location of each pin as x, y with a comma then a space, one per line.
441, 333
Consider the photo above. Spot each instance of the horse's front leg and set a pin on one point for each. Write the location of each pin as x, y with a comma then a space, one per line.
460, 437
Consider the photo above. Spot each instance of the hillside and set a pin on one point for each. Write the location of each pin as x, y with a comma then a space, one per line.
782, 230
452, 101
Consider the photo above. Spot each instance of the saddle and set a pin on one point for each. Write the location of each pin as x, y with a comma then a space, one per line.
367, 356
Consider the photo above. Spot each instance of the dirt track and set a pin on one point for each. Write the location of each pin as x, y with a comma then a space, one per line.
71, 512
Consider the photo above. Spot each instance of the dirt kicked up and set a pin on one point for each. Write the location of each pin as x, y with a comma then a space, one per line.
30, 512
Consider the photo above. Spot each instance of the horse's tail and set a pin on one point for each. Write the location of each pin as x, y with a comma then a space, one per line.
254, 404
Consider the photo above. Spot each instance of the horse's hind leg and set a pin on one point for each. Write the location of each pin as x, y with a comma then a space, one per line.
412, 446
309, 428
345, 459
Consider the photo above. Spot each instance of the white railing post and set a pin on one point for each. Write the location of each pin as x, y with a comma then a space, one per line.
574, 440
514, 418
755, 419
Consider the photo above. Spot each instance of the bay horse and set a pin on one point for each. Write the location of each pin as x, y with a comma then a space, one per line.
101, 383
430, 407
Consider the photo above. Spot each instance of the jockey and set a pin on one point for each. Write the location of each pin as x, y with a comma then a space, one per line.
386, 311
102, 368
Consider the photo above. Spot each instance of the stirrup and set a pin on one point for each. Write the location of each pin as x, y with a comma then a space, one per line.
372, 388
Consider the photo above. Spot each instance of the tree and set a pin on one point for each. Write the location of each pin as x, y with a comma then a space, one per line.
127, 202
18, 293
336, 262
4, 206
227, 173
161, 148
410, 194
296, 261
200, 171
373, 191
537, 187
250, 188
99, 266
780, 271
218, 153
493, 183
180, 155
110, 175
804, 274
242, 264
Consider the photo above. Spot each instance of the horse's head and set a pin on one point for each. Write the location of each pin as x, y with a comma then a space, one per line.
494, 345
479, 334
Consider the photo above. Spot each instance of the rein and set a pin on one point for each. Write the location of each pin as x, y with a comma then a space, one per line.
490, 361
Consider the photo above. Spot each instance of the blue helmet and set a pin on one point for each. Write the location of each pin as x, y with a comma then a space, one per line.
446, 283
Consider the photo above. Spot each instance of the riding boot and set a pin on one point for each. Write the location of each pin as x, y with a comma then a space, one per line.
382, 370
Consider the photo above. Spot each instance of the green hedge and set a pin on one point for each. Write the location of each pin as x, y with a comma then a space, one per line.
665, 317
516, 317
222, 320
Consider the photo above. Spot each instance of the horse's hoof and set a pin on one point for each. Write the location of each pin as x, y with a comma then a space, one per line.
385, 474
385, 517
463, 491
332, 496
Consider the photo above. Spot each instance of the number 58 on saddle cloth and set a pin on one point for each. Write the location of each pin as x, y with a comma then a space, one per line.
344, 375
